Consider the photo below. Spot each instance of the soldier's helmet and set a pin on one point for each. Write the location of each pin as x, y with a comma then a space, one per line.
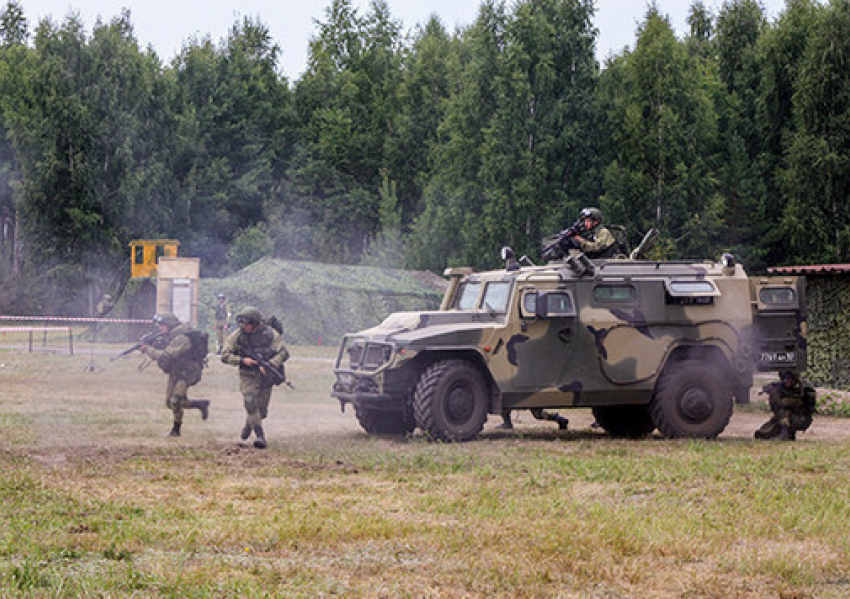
166, 318
594, 213
249, 315
220, 296
787, 377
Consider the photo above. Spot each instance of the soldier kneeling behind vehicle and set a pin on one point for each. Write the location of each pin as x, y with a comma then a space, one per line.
792, 401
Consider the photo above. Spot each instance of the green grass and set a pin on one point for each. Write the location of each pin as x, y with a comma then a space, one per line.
94, 501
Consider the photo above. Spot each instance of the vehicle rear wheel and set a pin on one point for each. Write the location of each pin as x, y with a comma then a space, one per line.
450, 401
629, 422
692, 399
384, 422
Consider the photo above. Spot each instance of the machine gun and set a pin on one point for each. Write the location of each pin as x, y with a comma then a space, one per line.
154, 338
276, 376
556, 246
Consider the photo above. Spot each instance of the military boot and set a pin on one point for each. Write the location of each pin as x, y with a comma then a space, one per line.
203, 405
563, 423
786, 433
175, 430
246, 431
260, 441
507, 422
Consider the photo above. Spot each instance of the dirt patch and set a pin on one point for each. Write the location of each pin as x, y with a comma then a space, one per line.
58, 409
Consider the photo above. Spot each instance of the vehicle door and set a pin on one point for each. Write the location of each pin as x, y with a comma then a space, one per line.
779, 321
544, 344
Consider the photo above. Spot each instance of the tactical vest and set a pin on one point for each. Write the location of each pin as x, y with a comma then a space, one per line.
260, 341
608, 252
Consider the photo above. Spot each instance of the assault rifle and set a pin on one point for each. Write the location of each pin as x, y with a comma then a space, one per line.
556, 246
275, 376
153, 338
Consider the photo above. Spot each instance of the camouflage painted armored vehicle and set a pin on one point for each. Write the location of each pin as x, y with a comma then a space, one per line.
646, 344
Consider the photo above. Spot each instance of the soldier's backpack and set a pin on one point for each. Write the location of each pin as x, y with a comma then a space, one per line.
621, 240
200, 345
275, 323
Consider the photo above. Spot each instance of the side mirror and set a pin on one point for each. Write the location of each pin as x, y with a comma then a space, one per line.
510, 259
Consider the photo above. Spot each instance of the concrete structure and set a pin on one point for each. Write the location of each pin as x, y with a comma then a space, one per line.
177, 287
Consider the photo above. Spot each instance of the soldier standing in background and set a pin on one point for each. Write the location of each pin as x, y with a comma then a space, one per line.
104, 306
222, 318
792, 401
181, 361
256, 337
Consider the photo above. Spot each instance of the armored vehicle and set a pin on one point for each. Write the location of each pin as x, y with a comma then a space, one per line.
667, 345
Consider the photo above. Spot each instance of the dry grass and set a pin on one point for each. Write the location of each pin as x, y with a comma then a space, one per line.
95, 501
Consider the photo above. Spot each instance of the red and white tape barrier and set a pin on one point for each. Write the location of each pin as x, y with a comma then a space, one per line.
76, 319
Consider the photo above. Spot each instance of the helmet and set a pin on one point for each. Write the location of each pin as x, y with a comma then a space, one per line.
594, 213
249, 314
220, 296
166, 318
788, 376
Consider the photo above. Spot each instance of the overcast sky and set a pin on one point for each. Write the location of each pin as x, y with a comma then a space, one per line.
166, 24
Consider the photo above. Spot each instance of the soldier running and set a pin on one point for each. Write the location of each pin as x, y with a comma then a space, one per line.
179, 360
254, 336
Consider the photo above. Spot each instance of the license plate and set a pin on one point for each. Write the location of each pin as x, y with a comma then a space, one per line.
778, 356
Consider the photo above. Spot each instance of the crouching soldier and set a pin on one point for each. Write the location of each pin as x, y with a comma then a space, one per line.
182, 359
252, 343
792, 401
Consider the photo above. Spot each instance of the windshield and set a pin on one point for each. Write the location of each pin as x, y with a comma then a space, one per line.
467, 296
496, 296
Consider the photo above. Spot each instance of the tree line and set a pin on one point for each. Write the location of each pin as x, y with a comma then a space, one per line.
420, 148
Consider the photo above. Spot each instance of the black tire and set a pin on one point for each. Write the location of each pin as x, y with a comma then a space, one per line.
692, 399
625, 422
383, 422
450, 401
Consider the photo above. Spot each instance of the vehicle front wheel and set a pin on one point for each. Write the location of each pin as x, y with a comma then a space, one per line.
692, 399
450, 401
629, 422
384, 422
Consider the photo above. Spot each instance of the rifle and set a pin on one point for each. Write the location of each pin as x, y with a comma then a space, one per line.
275, 376
147, 339
556, 246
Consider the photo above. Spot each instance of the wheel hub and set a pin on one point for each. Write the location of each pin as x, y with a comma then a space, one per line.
696, 405
460, 404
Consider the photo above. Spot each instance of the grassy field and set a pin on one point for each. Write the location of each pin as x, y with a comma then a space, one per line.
95, 501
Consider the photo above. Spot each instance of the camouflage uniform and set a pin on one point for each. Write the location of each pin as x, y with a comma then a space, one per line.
792, 401
255, 388
597, 242
183, 371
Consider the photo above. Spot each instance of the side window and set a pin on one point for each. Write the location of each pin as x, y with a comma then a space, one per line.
139, 254
777, 295
467, 295
690, 292
620, 293
496, 296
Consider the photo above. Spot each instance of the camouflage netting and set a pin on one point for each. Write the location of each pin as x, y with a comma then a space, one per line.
318, 303
829, 330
